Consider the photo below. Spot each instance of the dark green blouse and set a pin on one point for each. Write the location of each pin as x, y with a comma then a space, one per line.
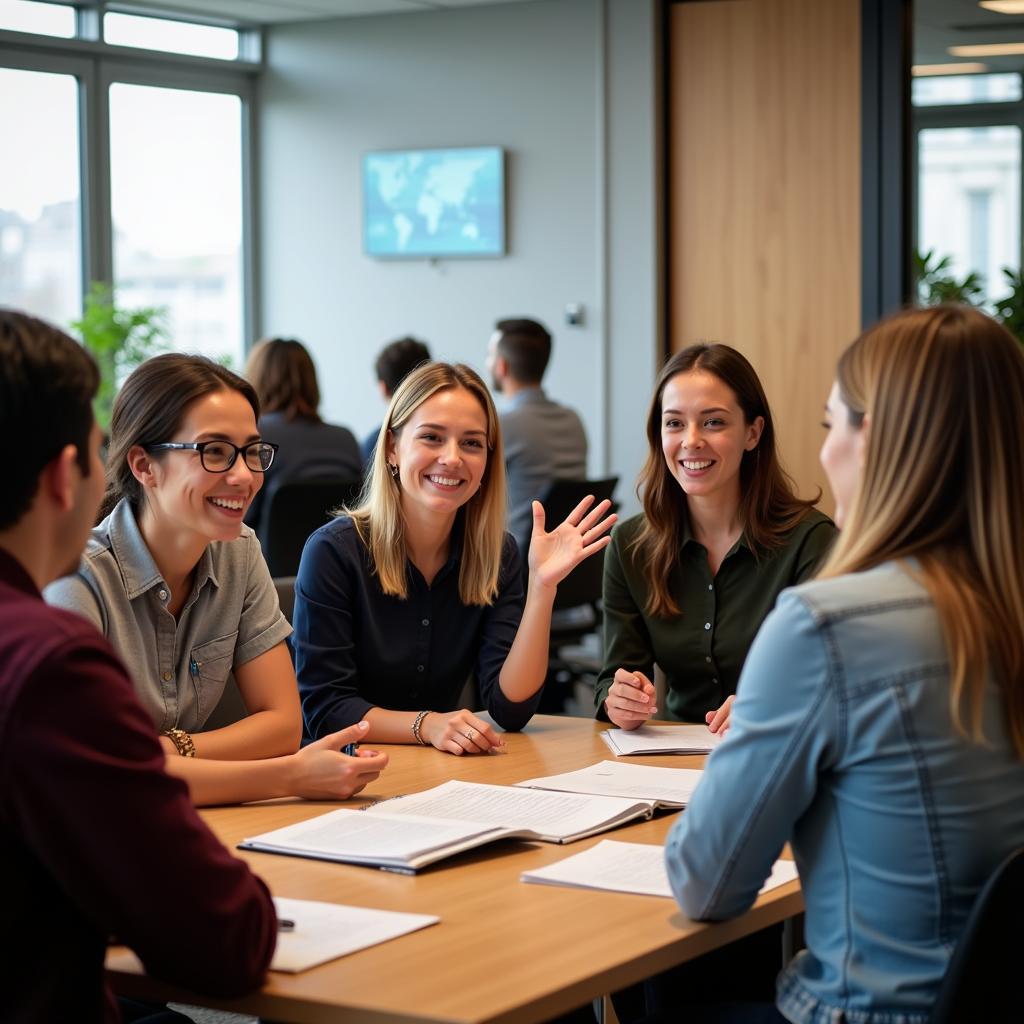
702, 649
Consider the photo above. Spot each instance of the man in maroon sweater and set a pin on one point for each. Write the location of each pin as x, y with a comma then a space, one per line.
96, 841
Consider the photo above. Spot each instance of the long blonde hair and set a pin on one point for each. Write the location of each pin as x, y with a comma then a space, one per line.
943, 482
378, 515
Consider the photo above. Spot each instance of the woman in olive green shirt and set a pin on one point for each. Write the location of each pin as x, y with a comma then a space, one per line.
688, 583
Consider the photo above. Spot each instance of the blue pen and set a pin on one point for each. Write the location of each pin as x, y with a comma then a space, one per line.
193, 667
350, 749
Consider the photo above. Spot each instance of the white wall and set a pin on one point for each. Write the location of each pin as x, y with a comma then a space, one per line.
568, 88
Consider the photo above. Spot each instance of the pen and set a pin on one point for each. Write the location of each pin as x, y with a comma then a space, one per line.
349, 750
284, 925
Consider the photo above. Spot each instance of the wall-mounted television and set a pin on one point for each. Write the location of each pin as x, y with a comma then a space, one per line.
425, 203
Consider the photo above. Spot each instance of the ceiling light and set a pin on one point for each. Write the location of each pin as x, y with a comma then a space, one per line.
987, 50
922, 70
1003, 6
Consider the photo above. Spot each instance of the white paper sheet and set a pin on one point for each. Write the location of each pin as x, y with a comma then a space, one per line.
325, 931
628, 867
665, 739
618, 778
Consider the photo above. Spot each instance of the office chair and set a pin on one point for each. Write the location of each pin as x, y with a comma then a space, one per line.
982, 983
577, 608
294, 511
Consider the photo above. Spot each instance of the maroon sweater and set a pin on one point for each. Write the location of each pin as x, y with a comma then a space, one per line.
96, 840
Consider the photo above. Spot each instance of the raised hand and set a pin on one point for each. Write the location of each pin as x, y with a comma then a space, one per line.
554, 555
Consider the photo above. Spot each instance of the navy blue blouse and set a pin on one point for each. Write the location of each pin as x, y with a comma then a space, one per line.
357, 648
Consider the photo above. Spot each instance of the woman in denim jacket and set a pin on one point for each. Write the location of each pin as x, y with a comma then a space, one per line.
879, 721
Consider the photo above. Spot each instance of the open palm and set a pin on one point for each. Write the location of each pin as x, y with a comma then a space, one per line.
554, 555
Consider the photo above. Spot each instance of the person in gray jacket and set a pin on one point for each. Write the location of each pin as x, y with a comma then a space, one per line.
544, 441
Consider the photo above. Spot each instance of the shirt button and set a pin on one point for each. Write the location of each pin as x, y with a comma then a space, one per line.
715, 681
425, 622
420, 668
162, 594
707, 658
707, 625
711, 586
167, 677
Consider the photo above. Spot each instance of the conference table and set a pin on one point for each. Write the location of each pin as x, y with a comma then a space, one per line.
504, 951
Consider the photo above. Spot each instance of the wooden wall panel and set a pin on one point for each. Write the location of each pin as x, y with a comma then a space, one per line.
764, 197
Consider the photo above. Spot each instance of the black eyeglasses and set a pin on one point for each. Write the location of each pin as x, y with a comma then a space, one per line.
220, 456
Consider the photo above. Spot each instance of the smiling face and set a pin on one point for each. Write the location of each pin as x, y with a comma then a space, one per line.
441, 452
842, 454
704, 435
183, 496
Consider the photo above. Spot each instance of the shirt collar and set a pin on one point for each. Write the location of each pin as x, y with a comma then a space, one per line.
527, 396
138, 570
13, 573
687, 537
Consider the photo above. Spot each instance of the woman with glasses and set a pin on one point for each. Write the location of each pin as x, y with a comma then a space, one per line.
178, 585
401, 599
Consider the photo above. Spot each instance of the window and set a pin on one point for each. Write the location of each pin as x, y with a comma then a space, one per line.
170, 36
941, 90
153, 155
45, 19
40, 204
969, 188
176, 204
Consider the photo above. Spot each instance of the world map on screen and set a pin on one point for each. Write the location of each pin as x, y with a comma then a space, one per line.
434, 202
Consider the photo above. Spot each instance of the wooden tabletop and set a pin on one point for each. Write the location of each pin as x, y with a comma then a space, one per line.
504, 951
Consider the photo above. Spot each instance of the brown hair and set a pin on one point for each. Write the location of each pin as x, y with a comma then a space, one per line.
47, 385
283, 374
769, 507
378, 516
150, 407
943, 483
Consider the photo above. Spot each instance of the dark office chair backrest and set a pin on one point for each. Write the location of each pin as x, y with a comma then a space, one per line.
294, 512
583, 585
982, 983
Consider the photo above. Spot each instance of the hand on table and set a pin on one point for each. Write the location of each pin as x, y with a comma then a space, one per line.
460, 732
322, 772
719, 721
630, 701
554, 555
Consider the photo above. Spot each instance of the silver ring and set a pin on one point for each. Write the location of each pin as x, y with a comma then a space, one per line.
469, 735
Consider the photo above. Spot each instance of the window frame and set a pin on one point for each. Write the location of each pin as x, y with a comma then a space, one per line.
96, 66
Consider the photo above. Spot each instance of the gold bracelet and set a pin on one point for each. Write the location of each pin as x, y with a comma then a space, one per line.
416, 728
183, 741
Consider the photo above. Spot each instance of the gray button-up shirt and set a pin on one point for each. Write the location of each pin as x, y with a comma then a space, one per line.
543, 441
179, 666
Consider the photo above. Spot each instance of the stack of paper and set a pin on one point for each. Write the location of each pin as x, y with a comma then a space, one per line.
325, 931
666, 739
628, 867
667, 787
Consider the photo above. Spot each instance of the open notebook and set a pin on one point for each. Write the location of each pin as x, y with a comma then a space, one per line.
407, 833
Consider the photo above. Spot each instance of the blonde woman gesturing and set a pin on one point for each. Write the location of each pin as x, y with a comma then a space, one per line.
400, 599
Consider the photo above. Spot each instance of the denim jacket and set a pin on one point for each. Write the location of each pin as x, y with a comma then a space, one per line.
842, 744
